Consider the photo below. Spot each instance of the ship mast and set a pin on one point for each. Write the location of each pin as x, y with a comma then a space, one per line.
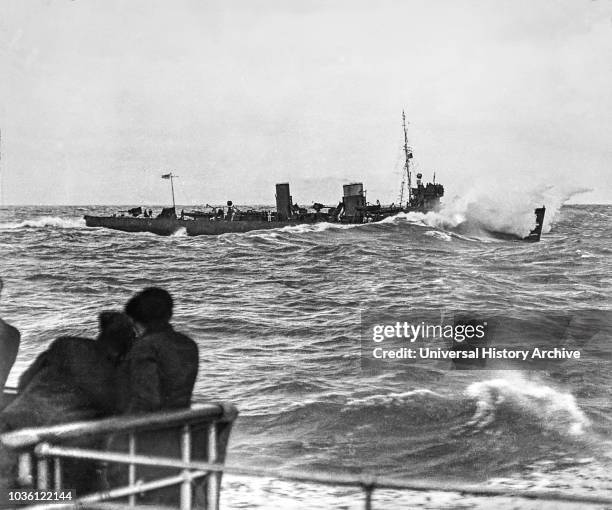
408, 156
171, 176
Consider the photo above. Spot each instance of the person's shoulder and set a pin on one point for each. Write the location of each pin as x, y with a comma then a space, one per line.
171, 338
163, 339
162, 335
64, 345
186, 341
64, 341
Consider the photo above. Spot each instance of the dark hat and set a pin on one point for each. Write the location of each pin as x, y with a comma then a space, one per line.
150, 305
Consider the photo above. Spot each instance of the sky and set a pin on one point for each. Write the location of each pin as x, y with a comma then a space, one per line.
99, 98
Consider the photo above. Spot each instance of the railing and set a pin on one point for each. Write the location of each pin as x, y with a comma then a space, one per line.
42, 450
197, 434
366, 483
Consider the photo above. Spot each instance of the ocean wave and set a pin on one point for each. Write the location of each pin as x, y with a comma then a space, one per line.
509, 213
276, 315
438, 235
44, 222
391, 399
181, 232
550, 408
306, 228
478, 213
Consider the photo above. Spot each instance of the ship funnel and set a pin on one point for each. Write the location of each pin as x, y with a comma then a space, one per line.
283, 201
354, 201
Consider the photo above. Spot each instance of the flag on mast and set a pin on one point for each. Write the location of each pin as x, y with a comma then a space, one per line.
166, 176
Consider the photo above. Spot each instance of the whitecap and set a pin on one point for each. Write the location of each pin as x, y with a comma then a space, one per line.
439, 235
551, 408
181, 232
45, 221
392, 398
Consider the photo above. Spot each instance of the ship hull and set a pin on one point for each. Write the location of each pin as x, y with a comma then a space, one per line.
217, 227
159, 226
206, 226
197, 227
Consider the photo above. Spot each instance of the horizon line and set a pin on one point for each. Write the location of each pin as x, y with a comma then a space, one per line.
203, 205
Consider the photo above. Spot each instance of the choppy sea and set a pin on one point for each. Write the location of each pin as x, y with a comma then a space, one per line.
276, 315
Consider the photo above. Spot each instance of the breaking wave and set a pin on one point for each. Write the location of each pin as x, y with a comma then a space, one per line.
317, 227
438, 235
549, 408
181, 232
45, 221
480, 213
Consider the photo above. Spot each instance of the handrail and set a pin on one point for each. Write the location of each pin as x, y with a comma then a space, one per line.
84, 502
30, 437
365, 482
202, 432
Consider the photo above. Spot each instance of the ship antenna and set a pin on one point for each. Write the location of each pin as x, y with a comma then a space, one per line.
408, 155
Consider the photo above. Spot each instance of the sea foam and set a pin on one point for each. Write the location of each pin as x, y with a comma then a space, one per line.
44, 222
550, 408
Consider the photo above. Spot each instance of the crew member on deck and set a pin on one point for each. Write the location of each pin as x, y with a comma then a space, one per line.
161, 369
73, 379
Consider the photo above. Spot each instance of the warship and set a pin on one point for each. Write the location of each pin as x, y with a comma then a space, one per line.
353, 208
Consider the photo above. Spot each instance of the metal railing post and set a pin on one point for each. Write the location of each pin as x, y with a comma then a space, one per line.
368, 484
186, 457
212, 485
132, 468
368, 497
57, 473
24, 470
42, 476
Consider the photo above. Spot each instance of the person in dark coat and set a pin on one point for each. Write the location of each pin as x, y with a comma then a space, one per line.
159, 374
74, 379
9, 347
162, 366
